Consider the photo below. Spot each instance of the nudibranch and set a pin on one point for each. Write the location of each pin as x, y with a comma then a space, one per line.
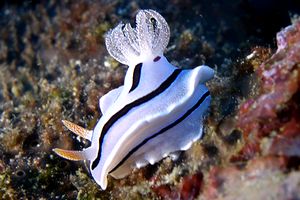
158, 111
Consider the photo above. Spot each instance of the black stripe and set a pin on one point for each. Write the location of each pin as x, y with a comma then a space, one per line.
200, 101
136, 76
129, 106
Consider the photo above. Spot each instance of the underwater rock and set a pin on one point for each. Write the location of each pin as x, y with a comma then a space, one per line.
246, 182
275, 112
191, 186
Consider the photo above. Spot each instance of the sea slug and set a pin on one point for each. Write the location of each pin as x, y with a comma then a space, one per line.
158, 111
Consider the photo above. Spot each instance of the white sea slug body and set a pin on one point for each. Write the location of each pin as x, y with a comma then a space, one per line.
158, 110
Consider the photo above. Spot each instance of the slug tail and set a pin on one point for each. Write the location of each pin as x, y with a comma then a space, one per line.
147, 40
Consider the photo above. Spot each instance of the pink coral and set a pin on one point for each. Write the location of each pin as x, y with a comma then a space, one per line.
276, 109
